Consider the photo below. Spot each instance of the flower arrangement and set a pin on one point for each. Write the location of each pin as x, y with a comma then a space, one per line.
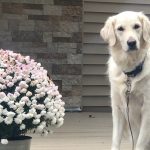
29, 100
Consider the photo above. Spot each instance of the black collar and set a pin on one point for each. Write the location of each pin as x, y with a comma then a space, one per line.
138, 69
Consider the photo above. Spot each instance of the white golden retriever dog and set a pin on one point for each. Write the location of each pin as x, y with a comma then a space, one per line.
128, 35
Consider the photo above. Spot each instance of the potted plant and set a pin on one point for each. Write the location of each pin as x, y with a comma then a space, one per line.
29, 101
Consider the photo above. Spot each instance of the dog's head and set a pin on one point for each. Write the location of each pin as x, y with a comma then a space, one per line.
128, 30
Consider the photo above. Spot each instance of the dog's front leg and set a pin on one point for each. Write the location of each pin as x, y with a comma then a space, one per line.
118, 121
144, 135
118, 126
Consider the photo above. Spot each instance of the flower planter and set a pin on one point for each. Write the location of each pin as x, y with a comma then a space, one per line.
19, 143
29, 100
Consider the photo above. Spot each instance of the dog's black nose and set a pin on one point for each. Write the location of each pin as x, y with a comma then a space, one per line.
132, 44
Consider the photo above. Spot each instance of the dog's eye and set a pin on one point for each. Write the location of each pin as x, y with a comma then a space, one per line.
136, 26
120, 28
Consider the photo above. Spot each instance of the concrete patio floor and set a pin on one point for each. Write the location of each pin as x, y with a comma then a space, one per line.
81, 131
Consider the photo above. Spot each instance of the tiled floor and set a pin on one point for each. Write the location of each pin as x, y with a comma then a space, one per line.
81, 131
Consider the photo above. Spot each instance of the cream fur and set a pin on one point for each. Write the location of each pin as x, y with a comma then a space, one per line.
123, 60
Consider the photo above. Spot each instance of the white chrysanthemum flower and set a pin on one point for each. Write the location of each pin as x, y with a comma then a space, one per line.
14, 107
38, 64
33, 111
11, 105
62, 104
51, 108
38, 90
55, 93
34, 105
9, 77
48, 105
5, 99
29, 116
5, 112
55, 110
46, 100
42, 94
40, 106
54, 120
21, 116
16, 94
57, 115
33, 83
45, 83
4, 74
27, 58
18, 89
36, 121
60, 122
59, 96
20, 109
43, 112
62, 109
38, 86
37, 96
10, 114
3, 87
22, 127
8, 120
22, 103
14, 80
33, 76
2, 80
29, 94
10, 84
28, 80
49, 93
18, 121
62, 114
2, 95
11, 96
50, 96
23, 84
38, 116
19, 77
28, 103
25, 99
23, 90
58, 106
17, 104
4, 141
34, 102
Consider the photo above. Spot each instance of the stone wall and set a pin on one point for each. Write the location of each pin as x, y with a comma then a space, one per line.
51, 32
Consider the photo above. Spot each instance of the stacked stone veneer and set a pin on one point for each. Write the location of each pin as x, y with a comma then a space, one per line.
51, 32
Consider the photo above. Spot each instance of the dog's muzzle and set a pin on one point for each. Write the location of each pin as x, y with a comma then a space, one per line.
131, 45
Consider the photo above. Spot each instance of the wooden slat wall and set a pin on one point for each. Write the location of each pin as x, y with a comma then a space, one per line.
95, 51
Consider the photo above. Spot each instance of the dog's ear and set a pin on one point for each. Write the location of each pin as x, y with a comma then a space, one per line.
146, 26
107, 32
